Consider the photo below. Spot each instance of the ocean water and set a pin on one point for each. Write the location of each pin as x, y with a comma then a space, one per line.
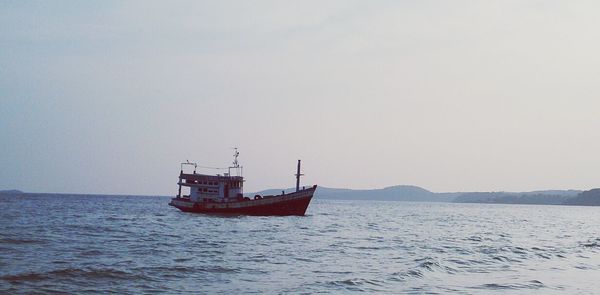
133, 245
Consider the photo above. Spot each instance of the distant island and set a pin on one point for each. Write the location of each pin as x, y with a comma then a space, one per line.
587, 198
409, 193
11, 192
550, 197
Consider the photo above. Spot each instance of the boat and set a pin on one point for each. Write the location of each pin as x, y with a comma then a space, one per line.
224, 194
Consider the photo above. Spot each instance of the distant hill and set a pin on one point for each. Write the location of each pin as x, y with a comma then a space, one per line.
392, 193
11, 192
418, 194
587, 198
538, 197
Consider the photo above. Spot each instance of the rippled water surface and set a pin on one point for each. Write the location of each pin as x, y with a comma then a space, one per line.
98, 244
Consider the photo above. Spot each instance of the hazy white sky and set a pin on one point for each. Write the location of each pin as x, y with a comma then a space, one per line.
110, 96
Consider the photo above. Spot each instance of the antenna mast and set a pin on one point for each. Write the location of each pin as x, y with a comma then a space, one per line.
236, 164
298, 177
235, 156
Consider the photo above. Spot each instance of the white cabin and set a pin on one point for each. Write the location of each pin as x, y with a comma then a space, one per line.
213, 188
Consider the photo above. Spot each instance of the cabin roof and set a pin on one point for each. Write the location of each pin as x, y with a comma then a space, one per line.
207, 177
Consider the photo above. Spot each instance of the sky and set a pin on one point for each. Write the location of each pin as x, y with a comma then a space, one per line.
109, 97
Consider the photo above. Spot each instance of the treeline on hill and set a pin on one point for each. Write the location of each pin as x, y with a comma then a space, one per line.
417, 194
569, 197
512, 198
587, 198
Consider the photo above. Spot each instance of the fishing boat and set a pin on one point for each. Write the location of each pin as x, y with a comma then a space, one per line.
224, 194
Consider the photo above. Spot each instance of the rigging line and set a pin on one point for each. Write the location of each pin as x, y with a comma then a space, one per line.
216, 168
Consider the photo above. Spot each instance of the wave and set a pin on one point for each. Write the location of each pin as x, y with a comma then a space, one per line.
20, 241
403, 276
429, 264
189, 269
533, 284
592, 243
358, 284
65, 273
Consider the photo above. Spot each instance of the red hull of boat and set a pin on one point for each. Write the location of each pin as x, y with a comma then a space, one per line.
284, 205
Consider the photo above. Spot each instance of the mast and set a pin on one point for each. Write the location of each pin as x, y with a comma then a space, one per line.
298, 177
179, 182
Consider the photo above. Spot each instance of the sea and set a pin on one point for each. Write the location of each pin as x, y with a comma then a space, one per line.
89, 244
